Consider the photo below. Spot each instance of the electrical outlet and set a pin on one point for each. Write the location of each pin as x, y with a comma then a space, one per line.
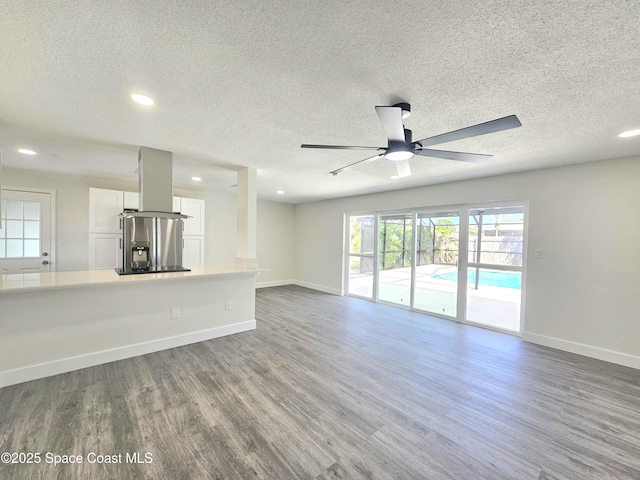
175, 313
227, 305
62, 241
538, 253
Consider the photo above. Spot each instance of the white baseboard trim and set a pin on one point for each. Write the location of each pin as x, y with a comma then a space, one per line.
582, 349
55, 367
275, 283
322, 288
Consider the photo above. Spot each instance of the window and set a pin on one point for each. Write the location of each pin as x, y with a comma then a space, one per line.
20, 232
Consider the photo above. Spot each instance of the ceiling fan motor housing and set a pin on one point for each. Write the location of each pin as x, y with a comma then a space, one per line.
398, 151
405, 107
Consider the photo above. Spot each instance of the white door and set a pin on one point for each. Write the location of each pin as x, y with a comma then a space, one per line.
25, 236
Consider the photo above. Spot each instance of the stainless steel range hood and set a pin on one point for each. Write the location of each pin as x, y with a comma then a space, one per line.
155, 180
153, 234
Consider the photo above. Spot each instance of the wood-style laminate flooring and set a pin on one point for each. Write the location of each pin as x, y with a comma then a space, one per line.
334, 387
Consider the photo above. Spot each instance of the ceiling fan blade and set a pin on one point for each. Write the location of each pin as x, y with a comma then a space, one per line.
391, 119
340, 147
403, 168
492, 126
460, 156
366, 160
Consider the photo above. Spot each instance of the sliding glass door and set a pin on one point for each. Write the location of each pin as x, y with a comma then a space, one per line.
418, 260
495, 266
465, 263
395, 233
436, 269
360, 259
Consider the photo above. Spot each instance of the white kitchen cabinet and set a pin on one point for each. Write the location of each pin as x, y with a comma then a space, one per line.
194, 208
105, 206
131, 200
193, 250
105, 227
193, 246
105, 251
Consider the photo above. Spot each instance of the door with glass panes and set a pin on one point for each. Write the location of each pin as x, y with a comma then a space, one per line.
437, 262
360, 259
395, 258
25, 234
495, 266
466, 263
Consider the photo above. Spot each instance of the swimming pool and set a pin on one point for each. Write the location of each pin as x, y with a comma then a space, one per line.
487, 277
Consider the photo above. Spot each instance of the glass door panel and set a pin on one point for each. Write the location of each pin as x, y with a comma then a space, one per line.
437, 248
395, 257
360, 266
25, 234
494, 273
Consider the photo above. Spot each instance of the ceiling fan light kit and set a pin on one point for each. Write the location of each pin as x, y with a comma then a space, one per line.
398, 155
400, 147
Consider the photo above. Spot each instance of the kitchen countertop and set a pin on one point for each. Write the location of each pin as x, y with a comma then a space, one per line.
22, 282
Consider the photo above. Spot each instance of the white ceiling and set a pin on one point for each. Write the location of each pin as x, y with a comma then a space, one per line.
245, 83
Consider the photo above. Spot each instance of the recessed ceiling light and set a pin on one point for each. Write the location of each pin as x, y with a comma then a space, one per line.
141, 99
26, 151
196, 179
394, 177
630, 133
280, 192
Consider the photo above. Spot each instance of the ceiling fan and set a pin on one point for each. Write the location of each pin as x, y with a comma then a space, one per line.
400, 147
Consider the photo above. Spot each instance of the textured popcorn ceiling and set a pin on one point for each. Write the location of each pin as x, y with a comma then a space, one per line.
245, 83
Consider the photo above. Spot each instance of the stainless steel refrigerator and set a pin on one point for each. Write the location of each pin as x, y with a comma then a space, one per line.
152, 243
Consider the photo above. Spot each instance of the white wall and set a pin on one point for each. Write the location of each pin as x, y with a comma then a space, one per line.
276, 243
582, 296
220, 225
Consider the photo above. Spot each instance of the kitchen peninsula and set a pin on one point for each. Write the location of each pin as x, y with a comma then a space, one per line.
58, 322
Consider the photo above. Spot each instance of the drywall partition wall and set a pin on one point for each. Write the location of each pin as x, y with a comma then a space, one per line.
276, 233
581, 296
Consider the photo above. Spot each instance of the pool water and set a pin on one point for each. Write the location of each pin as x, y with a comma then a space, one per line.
488, 278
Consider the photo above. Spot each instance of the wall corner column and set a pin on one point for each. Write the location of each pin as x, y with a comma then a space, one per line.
247, 212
